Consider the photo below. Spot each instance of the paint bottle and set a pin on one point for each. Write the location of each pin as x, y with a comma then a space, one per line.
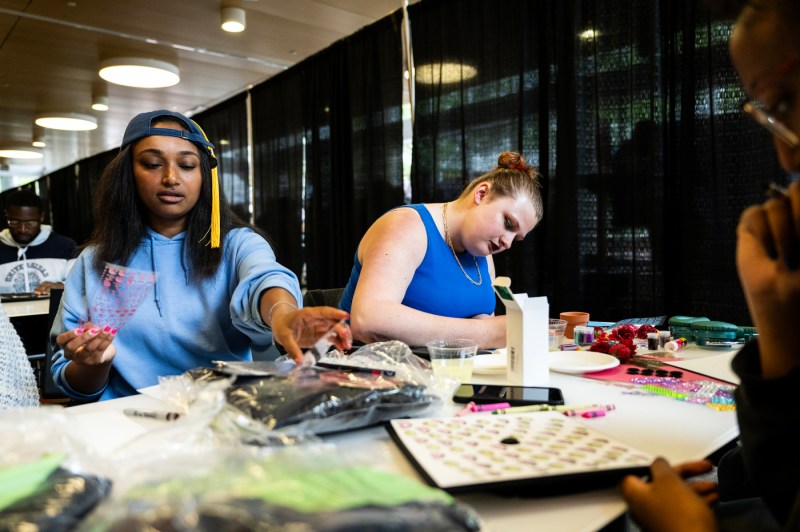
663, 338
652, 341
583, 335
676, 344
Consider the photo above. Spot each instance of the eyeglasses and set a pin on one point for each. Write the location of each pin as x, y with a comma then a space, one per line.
758, 111
27, 224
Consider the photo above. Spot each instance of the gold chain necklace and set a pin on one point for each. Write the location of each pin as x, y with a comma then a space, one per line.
449, 243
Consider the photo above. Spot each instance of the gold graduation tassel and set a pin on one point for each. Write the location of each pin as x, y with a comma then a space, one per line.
215, 224
215, 229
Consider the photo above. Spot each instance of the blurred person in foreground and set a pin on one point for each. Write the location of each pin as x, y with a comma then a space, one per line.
765, 49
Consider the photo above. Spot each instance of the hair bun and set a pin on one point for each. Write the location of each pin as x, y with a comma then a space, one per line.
511, 159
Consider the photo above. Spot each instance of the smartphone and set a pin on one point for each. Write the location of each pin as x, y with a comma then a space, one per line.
514, 395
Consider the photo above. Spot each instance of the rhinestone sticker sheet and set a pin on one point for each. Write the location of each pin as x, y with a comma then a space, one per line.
487, 449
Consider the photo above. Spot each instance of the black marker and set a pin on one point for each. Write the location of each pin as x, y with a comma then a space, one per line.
152, 414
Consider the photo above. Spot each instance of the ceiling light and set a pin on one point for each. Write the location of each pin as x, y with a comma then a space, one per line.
589, 35
139, 72
233, 19
20, 152
436, 73
38, 137
100, 98
67, 121
100, 103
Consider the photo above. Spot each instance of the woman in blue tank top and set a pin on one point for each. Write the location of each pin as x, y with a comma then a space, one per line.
425, 271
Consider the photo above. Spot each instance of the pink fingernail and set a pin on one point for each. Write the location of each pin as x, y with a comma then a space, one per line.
113, 331
79, 331
107, 328
95, 331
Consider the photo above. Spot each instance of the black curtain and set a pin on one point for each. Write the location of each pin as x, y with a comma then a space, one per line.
72, 190
278, 159
328, 148
225, 125
630, 111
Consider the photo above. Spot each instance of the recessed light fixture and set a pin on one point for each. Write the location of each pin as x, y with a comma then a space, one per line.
100, 103
38, 137
233, 19
100, 98
67, 121
432, 74
139, 72
20, 152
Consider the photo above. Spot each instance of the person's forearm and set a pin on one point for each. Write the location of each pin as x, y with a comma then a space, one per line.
274, 303
395, 321
87, 379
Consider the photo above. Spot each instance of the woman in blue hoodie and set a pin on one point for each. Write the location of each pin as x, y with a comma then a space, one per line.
218, 287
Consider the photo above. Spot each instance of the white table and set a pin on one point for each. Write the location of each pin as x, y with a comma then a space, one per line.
659, 425
34, 307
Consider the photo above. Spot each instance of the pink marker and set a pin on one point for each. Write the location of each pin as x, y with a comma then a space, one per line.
489, 407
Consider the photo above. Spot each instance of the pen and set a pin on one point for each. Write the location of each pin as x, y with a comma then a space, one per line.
152, 414
542, 408
774, 190
490, 407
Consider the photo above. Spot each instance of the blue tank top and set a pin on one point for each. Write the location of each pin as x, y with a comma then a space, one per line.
439, 286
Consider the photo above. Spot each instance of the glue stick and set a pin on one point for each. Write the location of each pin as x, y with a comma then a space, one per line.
675, 345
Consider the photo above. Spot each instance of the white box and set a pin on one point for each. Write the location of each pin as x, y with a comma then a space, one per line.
527, 327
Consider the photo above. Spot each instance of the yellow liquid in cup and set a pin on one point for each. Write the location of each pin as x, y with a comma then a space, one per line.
456, 368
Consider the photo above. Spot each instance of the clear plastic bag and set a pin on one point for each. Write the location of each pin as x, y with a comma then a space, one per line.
48, 479
282, 490
383, 381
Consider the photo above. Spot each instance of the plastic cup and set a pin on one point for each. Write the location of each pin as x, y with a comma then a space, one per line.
556, 334
453, 358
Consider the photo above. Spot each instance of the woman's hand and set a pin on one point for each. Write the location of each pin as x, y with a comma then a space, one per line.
667, 503
768, 260
89, 345
296, 329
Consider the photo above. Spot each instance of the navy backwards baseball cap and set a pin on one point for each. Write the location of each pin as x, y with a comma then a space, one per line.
141, 126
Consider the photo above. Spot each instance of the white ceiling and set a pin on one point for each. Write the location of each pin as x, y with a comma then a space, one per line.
50, 51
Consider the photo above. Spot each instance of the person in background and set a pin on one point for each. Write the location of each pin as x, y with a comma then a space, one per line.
765, 49
425, 271
218, 288
32, 257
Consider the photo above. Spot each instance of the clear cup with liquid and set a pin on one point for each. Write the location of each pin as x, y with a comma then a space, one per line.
453, 358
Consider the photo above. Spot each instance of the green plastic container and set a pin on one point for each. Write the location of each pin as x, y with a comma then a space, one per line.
746, 333
681, 326
710, 332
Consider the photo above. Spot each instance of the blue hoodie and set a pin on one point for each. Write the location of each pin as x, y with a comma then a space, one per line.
181, 323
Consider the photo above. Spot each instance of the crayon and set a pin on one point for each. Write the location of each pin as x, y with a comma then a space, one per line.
490, 407
545, 408
466, 410
596, 408
593, 413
